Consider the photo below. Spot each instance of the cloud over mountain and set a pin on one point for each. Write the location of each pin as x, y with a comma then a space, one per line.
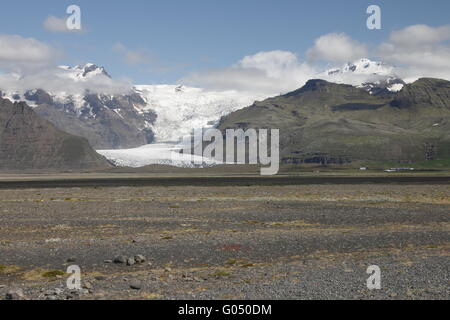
416, 51
338, 48
27, 64
270, 72
19, 54
419, 51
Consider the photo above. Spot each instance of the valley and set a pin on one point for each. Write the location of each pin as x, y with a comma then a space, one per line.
193, 153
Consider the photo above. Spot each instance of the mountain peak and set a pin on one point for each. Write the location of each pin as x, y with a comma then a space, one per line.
363, 66
89, 70
374, 76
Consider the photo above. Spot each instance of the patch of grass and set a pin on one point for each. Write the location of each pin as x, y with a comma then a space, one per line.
434, 164
5, 242
53, 273
151, 296
248, 265
167, 238
8, 269
231, 262
221, 274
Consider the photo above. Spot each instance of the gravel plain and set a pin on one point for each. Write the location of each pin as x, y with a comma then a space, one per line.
226, 242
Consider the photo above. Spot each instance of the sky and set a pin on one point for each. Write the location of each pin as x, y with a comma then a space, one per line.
213, 43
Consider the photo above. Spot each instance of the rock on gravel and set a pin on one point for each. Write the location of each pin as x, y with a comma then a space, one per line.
53, 292
120, 259
140, 258
135, 285
87, 285
131, 261
15, 294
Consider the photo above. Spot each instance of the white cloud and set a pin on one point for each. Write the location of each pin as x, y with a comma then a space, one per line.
418, 51
338, 48
268, 73
420, 35
18, 54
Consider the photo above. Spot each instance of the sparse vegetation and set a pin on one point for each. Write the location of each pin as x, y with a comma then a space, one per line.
53, 274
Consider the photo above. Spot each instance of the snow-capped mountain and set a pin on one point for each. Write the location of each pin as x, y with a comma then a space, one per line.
82, 73
374, 76
364, 66
112, 119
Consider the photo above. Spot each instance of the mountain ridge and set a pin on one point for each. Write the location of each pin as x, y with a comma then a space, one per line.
326, 123
147, 114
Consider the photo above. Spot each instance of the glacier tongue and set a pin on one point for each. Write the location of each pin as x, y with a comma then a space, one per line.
158, 153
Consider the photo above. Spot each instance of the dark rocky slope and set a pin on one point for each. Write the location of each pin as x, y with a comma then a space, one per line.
29, 142
108, 122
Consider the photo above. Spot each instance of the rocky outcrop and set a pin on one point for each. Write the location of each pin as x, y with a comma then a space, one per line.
108, 122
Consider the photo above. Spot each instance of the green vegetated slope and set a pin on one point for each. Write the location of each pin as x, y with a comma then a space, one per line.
334, 123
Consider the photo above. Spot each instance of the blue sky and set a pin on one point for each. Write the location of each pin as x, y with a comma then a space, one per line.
181, 37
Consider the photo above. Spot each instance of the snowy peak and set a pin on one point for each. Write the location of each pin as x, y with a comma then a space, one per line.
91, 69
87, 71
374, 76
364, 67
